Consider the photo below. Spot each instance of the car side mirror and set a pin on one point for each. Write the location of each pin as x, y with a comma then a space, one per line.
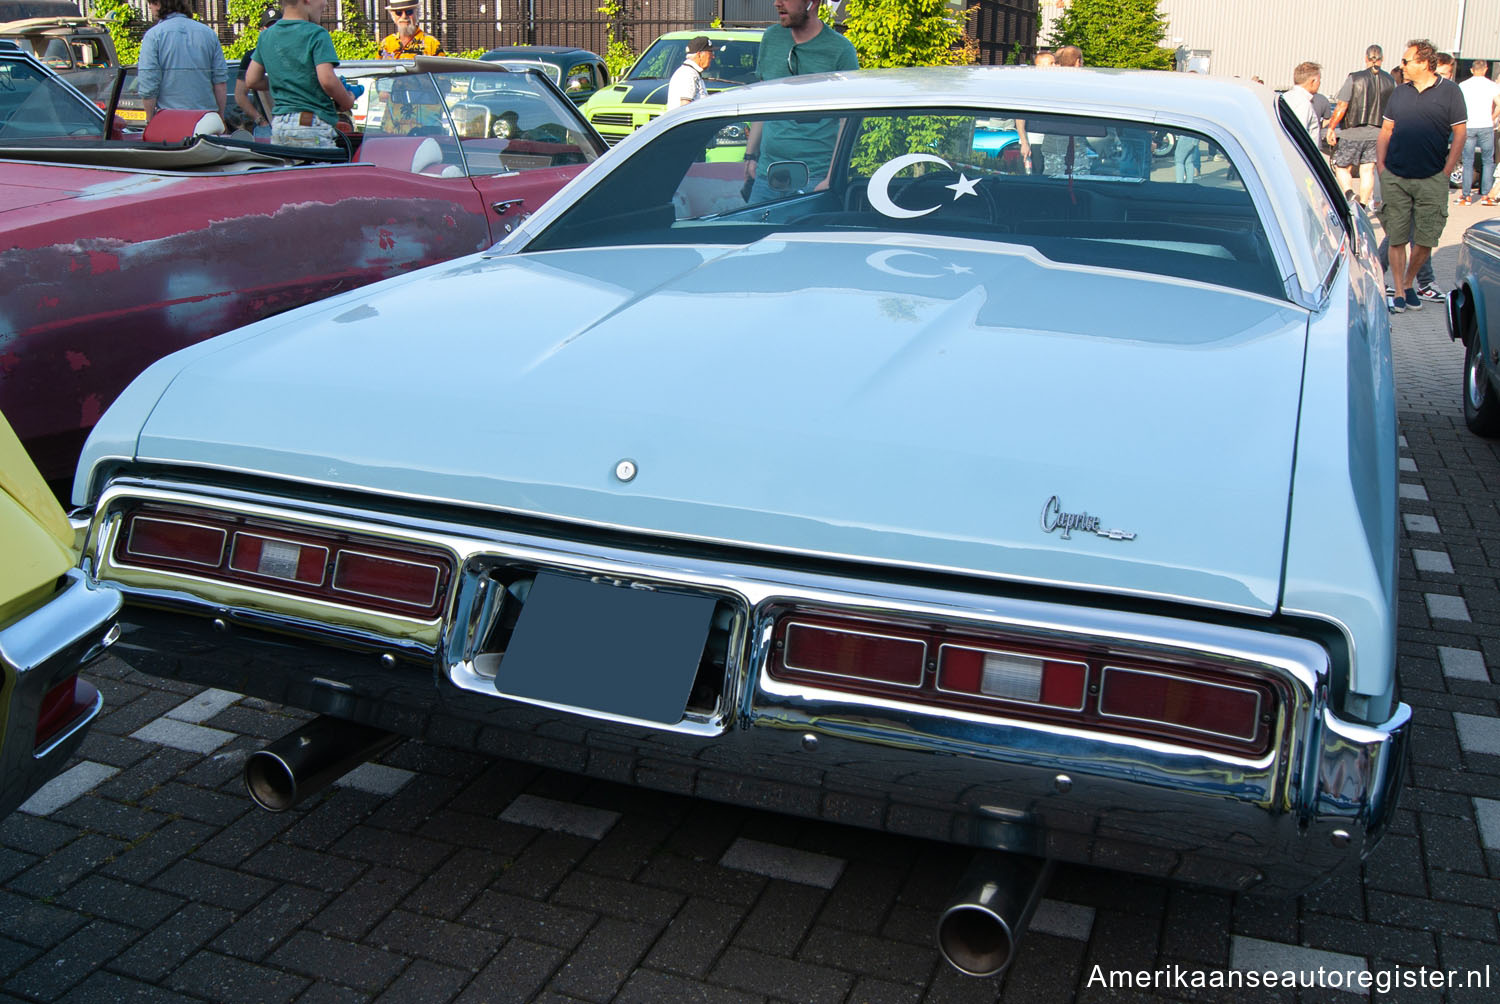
787, 176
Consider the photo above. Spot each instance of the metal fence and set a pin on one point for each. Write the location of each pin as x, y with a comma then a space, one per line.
999, 30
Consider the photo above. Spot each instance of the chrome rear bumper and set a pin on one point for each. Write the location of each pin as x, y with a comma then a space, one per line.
39, 651
1316, 800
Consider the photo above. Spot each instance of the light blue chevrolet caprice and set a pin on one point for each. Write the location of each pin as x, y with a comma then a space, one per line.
1042, 502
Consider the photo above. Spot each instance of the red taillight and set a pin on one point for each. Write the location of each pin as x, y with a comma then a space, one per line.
175, 540
370, 575
1013, 676
61, 706
861, 655
342, 568
1079, 686
1215, 709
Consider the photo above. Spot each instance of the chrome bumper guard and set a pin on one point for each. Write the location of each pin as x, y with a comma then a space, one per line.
1318, 799
37, 652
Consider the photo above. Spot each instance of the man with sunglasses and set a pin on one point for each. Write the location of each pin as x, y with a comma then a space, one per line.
408, 41
798, 44
1421, 139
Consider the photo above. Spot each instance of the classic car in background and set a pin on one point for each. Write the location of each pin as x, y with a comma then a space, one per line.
53, 623
641, 94
1474, 318
578, 72
891, 502
116, 253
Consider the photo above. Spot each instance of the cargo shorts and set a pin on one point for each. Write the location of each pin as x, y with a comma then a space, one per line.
1416, 209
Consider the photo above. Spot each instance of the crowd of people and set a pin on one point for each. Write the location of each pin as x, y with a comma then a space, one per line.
288, 90
1394, 139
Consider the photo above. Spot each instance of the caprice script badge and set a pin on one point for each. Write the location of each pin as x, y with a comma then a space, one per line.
1053, 518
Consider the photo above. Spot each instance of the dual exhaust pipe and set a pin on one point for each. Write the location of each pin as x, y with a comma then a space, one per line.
977, 933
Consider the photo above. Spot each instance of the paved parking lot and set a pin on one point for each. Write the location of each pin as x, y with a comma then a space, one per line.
145, 874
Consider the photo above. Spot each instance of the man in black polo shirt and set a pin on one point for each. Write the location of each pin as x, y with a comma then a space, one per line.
1421, 139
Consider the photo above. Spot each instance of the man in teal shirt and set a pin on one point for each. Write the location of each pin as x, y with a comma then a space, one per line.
799, 44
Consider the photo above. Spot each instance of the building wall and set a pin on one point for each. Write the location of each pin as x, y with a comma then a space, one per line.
1266, 38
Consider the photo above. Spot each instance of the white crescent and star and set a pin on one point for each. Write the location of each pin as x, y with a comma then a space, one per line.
879, 188
879, 195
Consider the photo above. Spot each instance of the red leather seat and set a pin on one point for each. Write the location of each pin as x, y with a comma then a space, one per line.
173, 125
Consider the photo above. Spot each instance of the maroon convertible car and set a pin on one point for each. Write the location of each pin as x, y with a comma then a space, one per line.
114, 252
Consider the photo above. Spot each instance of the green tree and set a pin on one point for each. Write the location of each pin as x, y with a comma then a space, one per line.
355, 40
905, 33
124, 26
619, 56
1121, 33
247, 13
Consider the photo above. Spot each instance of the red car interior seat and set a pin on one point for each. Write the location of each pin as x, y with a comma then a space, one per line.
173, 125
417, 154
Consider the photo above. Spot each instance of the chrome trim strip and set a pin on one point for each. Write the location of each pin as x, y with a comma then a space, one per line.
437, 577
1082, 701
130, 541
1104, 689
323, 575
921, 669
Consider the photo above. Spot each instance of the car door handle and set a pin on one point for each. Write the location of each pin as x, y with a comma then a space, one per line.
505, 205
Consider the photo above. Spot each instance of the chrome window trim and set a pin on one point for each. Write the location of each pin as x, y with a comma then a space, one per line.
323, 577
938, 677
1104, 688
437, 577
129, 540
859, 634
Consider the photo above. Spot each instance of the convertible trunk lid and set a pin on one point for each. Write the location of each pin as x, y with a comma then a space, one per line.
894, 400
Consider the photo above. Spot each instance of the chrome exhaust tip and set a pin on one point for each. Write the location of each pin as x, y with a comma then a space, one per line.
979, 930
309, 759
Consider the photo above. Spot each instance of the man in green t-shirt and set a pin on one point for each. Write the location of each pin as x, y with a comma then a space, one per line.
294, 59
798, 45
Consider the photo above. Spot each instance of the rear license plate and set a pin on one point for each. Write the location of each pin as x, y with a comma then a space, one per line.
611, 649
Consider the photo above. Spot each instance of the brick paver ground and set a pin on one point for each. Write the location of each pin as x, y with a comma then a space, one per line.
145, 874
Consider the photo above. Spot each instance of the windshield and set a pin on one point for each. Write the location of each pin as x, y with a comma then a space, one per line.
550, 69
1111, 193
733, 61
34, 106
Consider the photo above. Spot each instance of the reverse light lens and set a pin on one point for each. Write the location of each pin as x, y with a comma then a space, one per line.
858, 655
1198, 705
172, 540
1013, 676
287, 560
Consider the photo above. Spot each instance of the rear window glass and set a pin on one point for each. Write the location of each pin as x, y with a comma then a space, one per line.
1092, 191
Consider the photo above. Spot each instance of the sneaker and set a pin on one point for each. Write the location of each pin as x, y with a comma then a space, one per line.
1413, 301
1398, 304
1430, 293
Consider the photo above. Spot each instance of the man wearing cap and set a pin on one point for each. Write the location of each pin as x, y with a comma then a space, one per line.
407, 41
686, 85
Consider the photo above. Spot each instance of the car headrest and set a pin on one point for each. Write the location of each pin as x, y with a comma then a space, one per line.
400, 153
173, 125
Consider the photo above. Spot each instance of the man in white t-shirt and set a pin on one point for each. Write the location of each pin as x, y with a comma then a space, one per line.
1306, 79
1481, 95
686, 85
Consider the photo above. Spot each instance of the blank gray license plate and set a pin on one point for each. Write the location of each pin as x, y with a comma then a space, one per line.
621, 651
